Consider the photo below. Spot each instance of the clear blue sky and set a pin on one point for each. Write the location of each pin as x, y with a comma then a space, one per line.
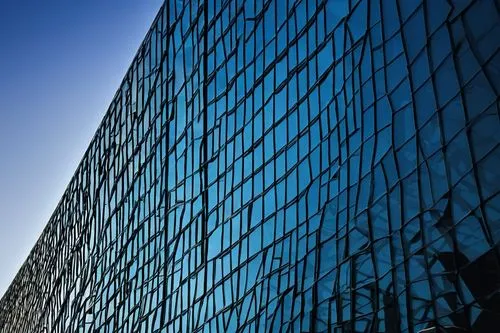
61, 62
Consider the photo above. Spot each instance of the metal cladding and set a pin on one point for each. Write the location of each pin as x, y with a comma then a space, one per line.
292, 166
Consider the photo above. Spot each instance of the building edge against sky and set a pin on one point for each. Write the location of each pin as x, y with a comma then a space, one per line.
285, 165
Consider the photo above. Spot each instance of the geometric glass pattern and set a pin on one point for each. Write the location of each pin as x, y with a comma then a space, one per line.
285, 166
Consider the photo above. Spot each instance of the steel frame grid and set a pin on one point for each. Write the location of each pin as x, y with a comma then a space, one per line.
301, 165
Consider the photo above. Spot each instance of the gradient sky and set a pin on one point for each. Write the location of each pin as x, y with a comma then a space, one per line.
61, 62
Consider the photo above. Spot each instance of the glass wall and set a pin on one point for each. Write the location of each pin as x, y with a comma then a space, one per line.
285, 166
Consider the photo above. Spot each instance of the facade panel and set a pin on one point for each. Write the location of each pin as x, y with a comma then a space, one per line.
295, 166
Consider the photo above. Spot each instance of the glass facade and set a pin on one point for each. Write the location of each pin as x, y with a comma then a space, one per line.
285, 166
